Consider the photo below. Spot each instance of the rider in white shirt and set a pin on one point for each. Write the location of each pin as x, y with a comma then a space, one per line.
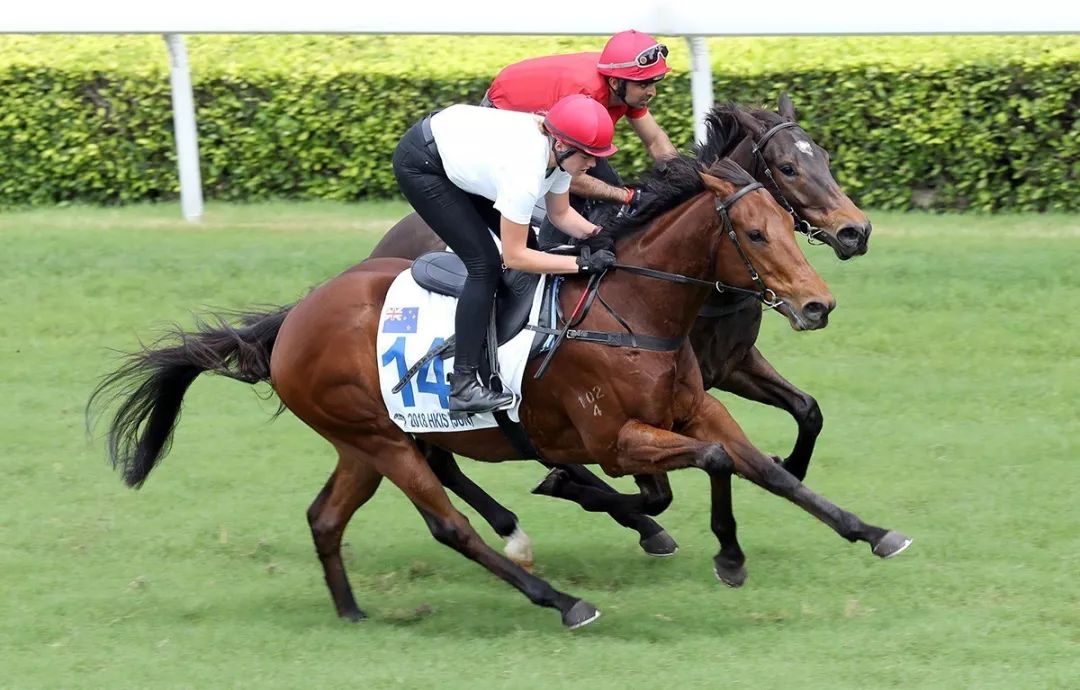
466, 170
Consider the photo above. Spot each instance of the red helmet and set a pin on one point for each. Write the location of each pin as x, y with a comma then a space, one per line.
633, 55
582, 123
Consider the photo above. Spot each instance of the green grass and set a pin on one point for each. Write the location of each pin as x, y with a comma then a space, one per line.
948, 379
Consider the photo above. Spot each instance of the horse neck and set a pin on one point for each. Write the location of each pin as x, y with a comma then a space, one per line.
664, 308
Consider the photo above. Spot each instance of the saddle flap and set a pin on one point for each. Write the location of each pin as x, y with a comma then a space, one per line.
440, 272
444, 273
513, 302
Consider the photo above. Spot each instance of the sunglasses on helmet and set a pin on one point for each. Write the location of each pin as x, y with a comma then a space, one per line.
647, 57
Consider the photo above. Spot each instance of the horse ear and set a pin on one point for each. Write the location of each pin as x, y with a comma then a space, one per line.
716, 185
750, 124
786, 109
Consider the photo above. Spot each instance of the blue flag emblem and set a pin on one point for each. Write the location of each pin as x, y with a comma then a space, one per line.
400, 320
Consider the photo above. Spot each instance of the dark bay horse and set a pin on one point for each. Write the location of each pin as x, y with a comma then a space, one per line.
652, 414
783, 157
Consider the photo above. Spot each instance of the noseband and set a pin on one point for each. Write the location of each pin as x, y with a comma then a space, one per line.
812, 232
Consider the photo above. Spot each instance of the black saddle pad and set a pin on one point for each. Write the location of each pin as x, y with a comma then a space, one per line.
444, 273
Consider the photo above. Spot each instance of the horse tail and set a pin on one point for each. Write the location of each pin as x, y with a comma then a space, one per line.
151, 384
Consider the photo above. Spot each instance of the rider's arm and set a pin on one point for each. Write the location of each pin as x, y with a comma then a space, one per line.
566, 218
516, 253
655, 139
591, 188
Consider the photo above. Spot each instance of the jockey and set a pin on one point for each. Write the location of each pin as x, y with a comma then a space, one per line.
466, 169
622, 78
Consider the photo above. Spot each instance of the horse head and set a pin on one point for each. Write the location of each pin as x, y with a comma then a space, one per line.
786, 160
720, 226
757, 245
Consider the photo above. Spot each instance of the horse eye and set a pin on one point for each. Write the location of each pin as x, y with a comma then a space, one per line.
756, 236
788, 169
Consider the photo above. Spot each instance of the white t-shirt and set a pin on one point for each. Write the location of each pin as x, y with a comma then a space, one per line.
500, 155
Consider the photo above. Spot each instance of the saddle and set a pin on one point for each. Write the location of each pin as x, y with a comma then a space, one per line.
444, 273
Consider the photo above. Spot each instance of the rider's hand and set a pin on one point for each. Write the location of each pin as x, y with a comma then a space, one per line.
595, 262
632, 202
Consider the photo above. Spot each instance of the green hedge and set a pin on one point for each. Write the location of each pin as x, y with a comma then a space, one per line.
938, 122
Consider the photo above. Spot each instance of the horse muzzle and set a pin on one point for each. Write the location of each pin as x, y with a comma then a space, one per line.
811, 316
852, 240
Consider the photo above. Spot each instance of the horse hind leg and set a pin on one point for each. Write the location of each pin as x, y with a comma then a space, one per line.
351, 485
407, 469
505, 523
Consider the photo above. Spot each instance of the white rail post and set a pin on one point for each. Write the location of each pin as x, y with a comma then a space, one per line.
701, 88
187, 143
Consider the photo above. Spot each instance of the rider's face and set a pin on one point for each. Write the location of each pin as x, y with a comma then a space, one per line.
578, 163
639, 93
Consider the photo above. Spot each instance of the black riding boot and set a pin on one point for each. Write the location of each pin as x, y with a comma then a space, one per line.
467, 396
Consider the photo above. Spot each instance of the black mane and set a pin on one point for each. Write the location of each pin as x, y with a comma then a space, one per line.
671, 182
668, 184
723, 131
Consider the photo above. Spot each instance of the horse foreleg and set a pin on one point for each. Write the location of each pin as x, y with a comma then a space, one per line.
576, 483
711, 420
755, 379
654, 497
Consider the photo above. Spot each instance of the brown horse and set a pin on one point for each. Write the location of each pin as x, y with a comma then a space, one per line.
652, 414
783, 157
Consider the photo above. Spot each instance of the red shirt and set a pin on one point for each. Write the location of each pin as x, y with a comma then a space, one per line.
533, 86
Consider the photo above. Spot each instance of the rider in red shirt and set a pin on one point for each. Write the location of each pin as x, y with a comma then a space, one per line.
622, 78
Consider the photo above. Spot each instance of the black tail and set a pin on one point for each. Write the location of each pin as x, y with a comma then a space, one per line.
152, 383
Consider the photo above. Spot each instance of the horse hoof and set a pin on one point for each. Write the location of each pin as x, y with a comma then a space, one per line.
551, 481
731, 574
580, 614
660, 545
354, 616
891, 544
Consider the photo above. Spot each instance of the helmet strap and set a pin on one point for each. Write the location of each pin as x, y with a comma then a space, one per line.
560, 157
620, 91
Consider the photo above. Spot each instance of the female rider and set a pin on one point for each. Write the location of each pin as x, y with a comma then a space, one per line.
466, 170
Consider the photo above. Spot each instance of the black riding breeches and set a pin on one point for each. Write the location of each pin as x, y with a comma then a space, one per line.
462, 221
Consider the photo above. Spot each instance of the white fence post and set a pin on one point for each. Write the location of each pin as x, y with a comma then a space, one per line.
701, 88
187, 144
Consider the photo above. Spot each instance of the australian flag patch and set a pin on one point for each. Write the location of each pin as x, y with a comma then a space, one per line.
400, 320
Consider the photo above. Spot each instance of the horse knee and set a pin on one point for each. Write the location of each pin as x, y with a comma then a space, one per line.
809, 415
714, 460
656, 503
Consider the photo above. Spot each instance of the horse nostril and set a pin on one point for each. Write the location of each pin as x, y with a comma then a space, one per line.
849, 235
816, 310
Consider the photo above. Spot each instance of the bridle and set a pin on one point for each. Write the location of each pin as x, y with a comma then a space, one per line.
762, 294
812, 232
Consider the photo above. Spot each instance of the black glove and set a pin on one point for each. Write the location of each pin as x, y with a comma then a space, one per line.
594, 262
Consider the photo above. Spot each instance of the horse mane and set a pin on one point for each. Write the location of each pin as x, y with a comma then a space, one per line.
723, 131
669, 183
